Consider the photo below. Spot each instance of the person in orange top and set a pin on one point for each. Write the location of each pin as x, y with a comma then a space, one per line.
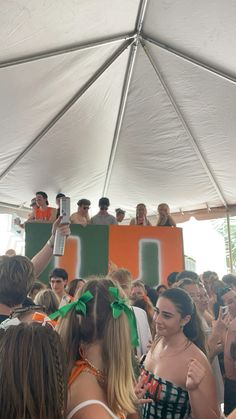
43, 213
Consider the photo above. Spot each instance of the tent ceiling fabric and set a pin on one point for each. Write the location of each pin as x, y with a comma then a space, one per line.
30, 28
203, 30
95, 100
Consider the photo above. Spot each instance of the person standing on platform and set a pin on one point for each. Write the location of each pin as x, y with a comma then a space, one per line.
82, 215
43, 213
164, 217
120, 215
141, 216
103, 217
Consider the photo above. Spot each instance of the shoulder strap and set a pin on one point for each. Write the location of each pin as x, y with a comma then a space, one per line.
88, 403
77, 369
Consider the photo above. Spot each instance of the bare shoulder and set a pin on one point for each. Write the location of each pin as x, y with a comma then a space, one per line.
73, 217
85, 387
92, 411
193, 352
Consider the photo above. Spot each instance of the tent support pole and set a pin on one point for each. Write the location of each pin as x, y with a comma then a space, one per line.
69, 104
66, 50
120, 116
198, 63
192, 140
229, 241
141, 15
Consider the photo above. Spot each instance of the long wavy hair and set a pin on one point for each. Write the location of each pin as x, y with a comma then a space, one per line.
33, 377
114, 335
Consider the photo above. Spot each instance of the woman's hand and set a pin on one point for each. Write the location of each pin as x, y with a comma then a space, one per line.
140, 389
222, 323
196, 373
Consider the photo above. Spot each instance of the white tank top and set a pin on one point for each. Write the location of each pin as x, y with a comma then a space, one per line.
87, 403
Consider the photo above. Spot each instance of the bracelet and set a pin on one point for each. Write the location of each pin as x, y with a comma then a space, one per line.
50, 242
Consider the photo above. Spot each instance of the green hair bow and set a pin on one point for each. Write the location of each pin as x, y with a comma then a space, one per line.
79, 305
118, 306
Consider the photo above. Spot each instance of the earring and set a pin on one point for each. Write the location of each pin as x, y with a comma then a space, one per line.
81, 352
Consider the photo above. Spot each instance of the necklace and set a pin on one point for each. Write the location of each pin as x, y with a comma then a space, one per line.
94, 370
181, 348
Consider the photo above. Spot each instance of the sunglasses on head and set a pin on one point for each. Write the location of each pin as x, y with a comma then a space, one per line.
22, 310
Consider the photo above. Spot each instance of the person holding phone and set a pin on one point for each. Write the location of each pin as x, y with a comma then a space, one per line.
226, 299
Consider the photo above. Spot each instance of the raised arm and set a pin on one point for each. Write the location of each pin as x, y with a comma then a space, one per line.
43, 257
217, 337
202, 390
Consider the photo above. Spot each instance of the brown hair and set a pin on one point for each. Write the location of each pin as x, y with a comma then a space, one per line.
141, 205
48, 299
140, 284
165, 206
32, 373
184, 304
36, 287
123, 277
16, 278
114, 335
181, 283
71, 288
146, 305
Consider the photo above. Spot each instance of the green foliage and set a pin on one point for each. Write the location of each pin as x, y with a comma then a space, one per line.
221, 227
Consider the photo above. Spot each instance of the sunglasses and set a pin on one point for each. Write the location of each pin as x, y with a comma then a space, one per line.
22, 310
86, 208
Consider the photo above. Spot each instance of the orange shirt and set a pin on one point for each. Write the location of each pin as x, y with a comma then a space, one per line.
83, 365
43, 215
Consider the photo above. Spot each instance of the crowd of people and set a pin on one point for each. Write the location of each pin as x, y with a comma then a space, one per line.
42, 212
113, 347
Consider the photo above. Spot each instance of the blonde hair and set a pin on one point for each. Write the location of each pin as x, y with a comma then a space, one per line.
122, 276
164, 206
114, 335
48, 299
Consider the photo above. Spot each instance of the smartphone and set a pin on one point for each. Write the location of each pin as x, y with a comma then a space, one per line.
225, 310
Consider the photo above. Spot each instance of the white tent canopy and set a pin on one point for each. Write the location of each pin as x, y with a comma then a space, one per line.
134, 100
